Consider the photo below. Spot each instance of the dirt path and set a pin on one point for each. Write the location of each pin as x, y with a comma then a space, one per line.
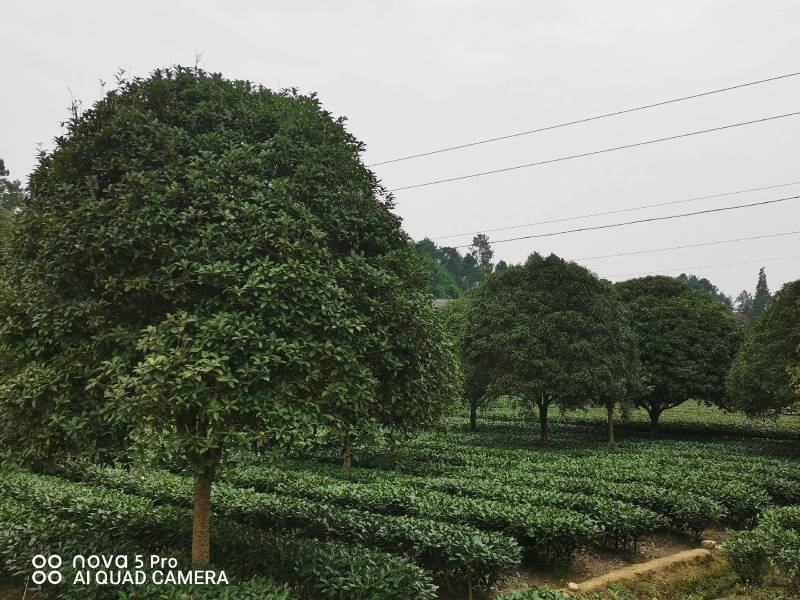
658, 564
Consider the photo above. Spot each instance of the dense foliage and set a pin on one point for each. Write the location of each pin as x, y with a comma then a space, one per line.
444, 512
12, 194
452, 552
686, 342
702, 284
450, 273
759, 381
203, 263
775, 543
749, 306
547, 331
43, 513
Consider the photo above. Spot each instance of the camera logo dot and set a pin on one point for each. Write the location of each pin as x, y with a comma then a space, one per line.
52, 563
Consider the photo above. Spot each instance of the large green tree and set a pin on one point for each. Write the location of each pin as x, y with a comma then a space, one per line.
686, 339
548, 331
203, 264
759, 382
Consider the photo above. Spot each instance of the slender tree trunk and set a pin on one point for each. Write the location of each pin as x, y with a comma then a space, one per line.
201, 547
347, 455
543, 405
654, 416
473, 415
610, 414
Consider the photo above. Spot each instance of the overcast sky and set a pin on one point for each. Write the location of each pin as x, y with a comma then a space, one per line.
417, 76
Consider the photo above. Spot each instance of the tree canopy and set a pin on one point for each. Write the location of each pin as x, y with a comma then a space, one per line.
204, 263
442, 283
705, 286
686, 341
759, 382
547, 331
481, 251
751, 306
762, 297
452, 274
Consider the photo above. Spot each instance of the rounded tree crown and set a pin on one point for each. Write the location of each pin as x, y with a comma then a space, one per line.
760, 379
205, 257
686, 338
549, 327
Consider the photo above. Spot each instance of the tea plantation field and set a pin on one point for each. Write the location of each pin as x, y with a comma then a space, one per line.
446, 512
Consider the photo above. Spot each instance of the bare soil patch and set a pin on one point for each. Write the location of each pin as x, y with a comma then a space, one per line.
592, 563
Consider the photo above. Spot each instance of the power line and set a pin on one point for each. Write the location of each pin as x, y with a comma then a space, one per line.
583, 120
593, 153
648, 220
731, 241
617, 211
731, 264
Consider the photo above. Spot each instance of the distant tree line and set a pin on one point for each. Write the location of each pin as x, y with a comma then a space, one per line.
452, 273
551, 332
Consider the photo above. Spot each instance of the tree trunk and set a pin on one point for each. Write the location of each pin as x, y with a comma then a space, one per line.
201, 549
610, 413
473, 415
543, 420
347, 455
654, 416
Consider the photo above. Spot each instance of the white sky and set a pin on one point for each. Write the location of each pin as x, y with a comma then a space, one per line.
415, 76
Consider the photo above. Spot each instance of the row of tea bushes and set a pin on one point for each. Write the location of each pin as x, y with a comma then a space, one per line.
774, 542
40, 512
621, 524
452, 551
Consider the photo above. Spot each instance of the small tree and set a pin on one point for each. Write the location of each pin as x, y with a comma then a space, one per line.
482, 251
743, 304
686, 340
626, 382
759, 382
548, 331
762, 297
204, 264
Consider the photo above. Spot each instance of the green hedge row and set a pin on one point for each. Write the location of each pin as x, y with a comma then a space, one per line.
774, 542
452, 551
549, 533
76, 518
682, 510
743, 495
744, 485
26, 531
621, 523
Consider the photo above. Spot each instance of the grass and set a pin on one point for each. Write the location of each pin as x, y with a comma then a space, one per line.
709, 580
